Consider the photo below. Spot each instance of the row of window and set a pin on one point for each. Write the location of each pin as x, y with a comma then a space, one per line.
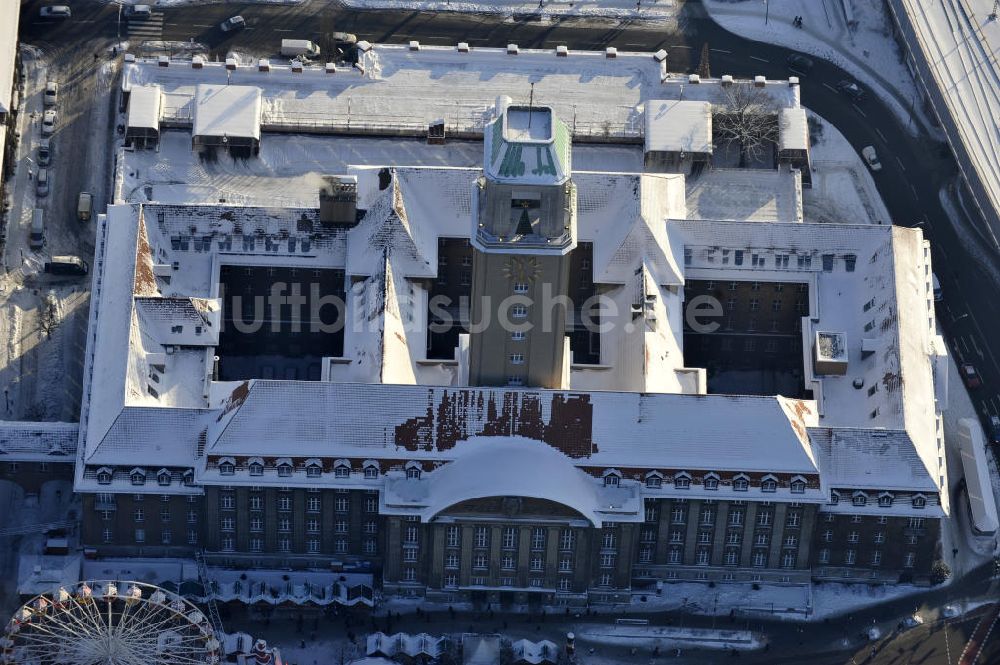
885, 499
285, 468
509, 537
313, 504
730, 557
451, 581
781, 261
851, 558
137, 476
710, 481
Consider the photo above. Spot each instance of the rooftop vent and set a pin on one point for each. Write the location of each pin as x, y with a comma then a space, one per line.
831, 353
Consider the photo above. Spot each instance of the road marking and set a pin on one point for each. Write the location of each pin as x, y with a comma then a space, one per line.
975, 346
639, 45
859, 110
884, 139
914, 190
831, 88
202, 25
753, 57
899, 161
283, 30
720, 50
679, 46
965, 347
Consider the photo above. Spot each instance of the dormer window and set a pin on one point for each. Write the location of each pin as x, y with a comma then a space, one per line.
189, 477
741, 483
137, 476
711, 481
284, 468
798, 485
769, 484
314, 470
612, 478
163, 477
227, 466
919, 501
371, 471
413, 470
176, 329
256, 468
682, 480
104, 475
859, 499
885, 500
654, 480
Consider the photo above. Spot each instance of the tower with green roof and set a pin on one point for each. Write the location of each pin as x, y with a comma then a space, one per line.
524, 227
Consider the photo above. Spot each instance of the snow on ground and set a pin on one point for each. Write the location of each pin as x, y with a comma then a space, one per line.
667, 637
649, 10
868, 51
843, 188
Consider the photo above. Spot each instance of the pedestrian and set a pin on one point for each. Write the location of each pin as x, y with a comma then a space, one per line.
31, 173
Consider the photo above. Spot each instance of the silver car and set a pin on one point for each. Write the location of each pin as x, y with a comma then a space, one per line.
49, 123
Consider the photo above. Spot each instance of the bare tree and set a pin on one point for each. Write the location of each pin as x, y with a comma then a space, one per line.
748, 117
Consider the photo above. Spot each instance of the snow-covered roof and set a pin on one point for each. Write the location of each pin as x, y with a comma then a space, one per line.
420, 644
396, 89
543, 651
793, 130
38, 441
978, 484
144, 107
622, 429
527, 145
871, 459
678, 126
510, 466
227, 111
9, 13
752, 195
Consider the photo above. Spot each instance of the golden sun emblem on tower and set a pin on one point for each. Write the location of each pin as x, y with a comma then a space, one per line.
522, 269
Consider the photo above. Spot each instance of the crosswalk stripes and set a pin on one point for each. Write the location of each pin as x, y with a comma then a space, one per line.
146, 27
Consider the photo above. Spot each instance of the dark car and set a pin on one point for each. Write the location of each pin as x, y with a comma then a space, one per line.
67, 265
233, 23
994, 430
970, 377
799, 63
851, 89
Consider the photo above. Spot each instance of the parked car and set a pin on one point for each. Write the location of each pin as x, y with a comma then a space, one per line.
49, 122
42, 183
138, 11
51, 94
55, 11
994, 430
345, 38
851, 89
799, 63
44, 153
232, 23
871, 159
36, 239
67, 265
291, 48
970, 377
912, 621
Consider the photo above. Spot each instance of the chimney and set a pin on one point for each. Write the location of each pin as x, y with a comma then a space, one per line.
338, 201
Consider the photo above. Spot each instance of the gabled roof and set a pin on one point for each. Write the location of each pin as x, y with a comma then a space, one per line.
709, 432
871, 459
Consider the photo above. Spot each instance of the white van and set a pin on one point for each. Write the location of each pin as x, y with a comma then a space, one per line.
293, 47
37, 237
84, 206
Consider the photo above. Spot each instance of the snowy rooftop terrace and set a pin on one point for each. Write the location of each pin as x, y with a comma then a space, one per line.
396, 90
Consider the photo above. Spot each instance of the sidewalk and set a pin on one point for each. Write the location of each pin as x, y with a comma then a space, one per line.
544, 10
866, 49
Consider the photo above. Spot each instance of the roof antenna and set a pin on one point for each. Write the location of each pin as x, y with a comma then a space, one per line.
531, 101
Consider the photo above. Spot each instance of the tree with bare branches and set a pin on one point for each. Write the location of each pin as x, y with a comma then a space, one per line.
748, 117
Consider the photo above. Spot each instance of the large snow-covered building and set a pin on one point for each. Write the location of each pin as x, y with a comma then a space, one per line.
644, 397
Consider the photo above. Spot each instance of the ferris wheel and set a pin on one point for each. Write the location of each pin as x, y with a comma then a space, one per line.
109, 623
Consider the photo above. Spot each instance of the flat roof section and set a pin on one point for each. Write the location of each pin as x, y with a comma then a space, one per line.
678, 126
227, 110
